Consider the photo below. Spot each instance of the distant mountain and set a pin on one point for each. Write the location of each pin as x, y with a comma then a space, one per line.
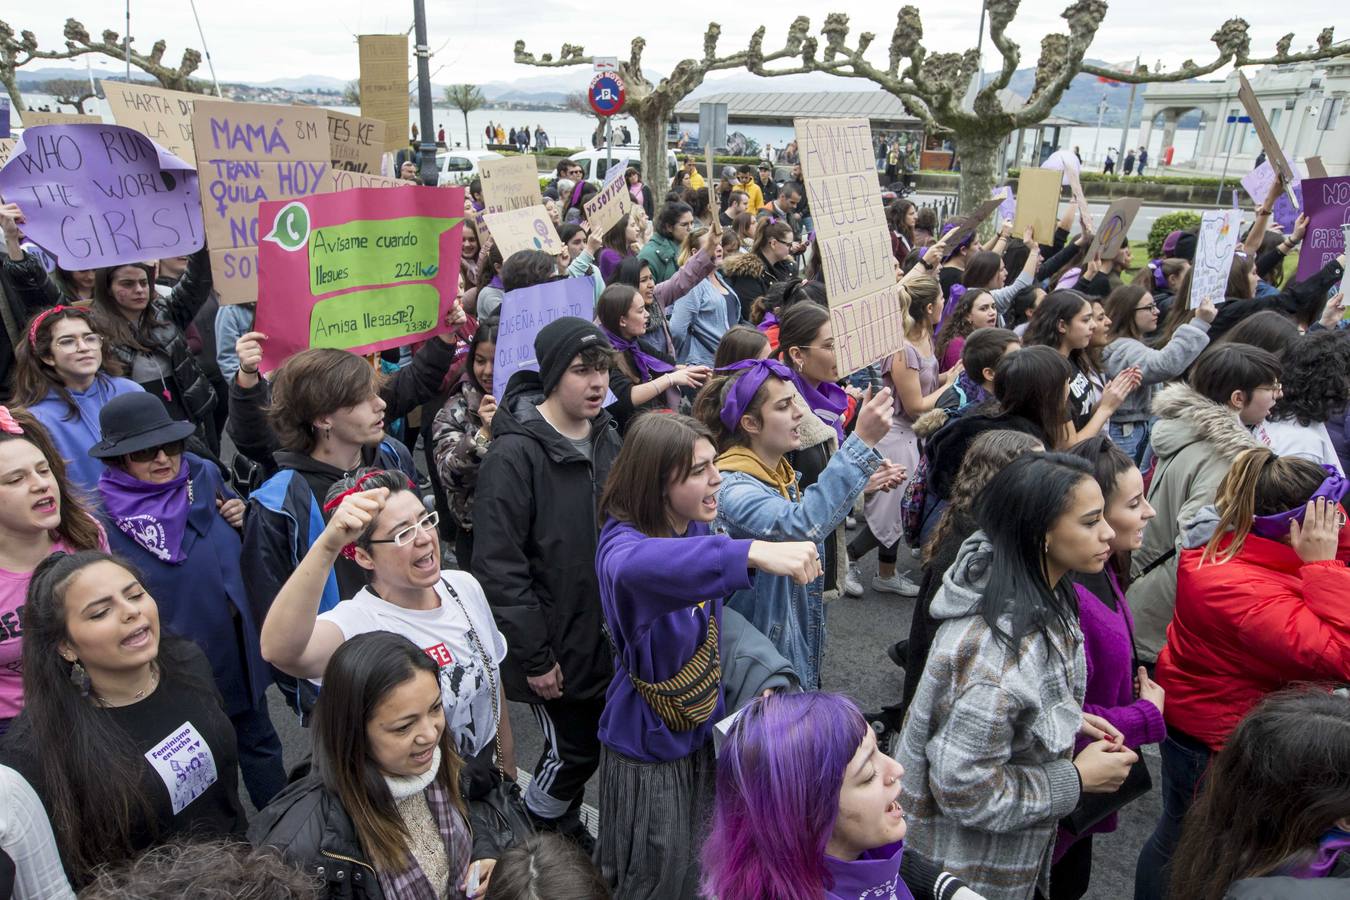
304, 83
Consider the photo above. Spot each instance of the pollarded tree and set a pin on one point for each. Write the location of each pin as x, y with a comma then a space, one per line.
932, 86
19, 50
652, 105
70, 91
466, 98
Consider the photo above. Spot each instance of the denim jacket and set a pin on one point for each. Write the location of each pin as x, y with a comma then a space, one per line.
792, 616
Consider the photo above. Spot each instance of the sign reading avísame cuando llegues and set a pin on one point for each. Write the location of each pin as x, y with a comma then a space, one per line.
361, 270
524, 312
247, 153
100, 195
1326, 202
852, 239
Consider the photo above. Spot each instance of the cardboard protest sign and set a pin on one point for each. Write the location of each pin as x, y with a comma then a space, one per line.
356, 144
523, 229
608, 207
511, 182
973, 221
524, 312
1327, 206
345, 180
1315, 167
1115, 228
162, 115
1268, 142
360, 270
32, 118
99, 195
852, 239
1076, 188
1214, 255
247, 153
1037, 203
6, 148
384, 85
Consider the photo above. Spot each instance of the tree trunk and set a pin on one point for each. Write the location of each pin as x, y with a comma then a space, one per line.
651, 121
11, 83
978, 153
467, 145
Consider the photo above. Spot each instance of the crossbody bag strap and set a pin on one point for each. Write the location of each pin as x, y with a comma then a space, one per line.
489, 669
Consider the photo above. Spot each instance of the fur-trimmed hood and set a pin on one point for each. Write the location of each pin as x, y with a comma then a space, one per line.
747, 265
1186, 417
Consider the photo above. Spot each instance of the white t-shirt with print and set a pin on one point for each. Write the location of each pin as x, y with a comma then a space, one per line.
466, 689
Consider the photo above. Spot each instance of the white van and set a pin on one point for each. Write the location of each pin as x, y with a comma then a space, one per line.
460, 166
593, 166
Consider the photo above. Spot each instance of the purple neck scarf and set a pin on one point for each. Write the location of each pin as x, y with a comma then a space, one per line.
1276, 526
975, 392
645, 362
1329, 848
767, 322
743, 390
153, 515
827, 401
874, 874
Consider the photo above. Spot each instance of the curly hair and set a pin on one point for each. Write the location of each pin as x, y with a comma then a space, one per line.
205, 870
957, 324
1316, 378
988, 454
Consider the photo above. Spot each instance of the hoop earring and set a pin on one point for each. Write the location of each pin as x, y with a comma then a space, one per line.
79, 678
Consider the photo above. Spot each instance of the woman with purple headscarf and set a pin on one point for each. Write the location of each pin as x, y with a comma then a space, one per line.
809, 764
168, 513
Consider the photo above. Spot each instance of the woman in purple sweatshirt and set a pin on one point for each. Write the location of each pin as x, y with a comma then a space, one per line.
1117, 689
663, 577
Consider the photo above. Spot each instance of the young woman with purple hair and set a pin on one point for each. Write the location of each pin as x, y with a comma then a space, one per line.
810, 763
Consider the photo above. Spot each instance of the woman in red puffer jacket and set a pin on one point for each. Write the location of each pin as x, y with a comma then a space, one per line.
1263, 601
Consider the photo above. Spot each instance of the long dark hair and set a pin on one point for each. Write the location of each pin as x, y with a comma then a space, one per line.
1058, 306
76, 527
616, 238
115, 326
1030, 383
91, 769
957, 325
1281, 781
358, 677
657, 451
1016, 511
981, 269
1108, 463
738, 343
35, 378
486, 334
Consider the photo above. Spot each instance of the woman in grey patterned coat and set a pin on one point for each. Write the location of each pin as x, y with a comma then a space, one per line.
462, 432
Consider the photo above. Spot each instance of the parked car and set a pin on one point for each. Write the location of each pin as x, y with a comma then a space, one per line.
460, 166
593, 165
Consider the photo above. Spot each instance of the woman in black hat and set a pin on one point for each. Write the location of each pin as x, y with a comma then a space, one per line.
168, 512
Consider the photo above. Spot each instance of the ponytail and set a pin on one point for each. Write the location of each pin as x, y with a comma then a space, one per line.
1258, 484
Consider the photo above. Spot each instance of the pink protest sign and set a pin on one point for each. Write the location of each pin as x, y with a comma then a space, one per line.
1326, 202
361, 270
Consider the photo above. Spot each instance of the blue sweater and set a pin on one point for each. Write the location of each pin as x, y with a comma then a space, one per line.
657, 622
74, 437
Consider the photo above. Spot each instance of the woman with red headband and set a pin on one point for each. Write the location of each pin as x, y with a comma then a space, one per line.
64, 379
378, 520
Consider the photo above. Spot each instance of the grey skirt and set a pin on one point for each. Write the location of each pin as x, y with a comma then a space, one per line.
653, 819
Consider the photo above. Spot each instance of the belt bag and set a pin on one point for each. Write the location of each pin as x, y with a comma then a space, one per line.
687, 699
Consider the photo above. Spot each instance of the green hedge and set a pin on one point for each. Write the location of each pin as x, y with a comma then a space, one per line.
1165, 225
559, 152
1098, 177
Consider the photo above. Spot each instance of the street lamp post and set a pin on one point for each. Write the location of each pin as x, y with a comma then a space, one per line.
427, 146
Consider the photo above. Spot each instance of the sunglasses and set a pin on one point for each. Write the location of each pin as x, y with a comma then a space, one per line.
173, 448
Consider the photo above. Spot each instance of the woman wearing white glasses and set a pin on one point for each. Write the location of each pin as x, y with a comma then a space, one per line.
379, 521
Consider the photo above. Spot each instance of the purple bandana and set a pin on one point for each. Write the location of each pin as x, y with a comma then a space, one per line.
953, 298
1159, 277
153, 515
768, 322
952, 251
828, 402
743, 390
645, 362
1276, 526
1329, 847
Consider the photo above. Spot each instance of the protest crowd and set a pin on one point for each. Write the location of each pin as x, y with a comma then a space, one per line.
621, 472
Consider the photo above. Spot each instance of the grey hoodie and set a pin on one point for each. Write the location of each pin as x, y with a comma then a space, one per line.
1157, 366
988, 742
1196, 441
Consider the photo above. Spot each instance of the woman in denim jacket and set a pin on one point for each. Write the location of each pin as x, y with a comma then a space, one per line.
757, 413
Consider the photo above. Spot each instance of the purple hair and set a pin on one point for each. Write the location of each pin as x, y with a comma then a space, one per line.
782, 766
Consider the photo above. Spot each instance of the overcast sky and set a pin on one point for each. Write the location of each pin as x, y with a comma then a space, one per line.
257, 40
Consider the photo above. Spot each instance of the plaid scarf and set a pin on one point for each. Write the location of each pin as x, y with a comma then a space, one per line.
411, 884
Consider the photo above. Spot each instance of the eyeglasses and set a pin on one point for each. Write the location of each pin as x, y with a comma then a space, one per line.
173, 448
405, 536
1152, 307
70, 341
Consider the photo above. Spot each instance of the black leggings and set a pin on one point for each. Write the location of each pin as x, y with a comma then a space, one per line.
864, 542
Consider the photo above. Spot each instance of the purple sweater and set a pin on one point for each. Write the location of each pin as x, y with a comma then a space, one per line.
1108, 643
873, 876
657, 595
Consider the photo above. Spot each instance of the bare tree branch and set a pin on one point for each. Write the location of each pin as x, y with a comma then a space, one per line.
177, 79
1234, 46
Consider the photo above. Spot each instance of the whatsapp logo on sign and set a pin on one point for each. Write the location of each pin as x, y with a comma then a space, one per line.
290, 229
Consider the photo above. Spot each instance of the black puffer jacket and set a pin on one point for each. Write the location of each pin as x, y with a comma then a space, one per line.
750, 276
167, 320
24, 291
535, 526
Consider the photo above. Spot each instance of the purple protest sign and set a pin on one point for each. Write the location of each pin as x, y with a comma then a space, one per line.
100, 195
1257, 184
1008, 209
1326, 202
524, 312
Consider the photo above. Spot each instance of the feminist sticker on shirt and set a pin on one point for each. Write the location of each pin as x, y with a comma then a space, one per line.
185, 764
